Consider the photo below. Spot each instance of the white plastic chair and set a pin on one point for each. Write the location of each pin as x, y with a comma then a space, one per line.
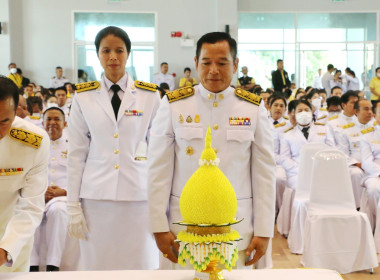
302, 195
336, 235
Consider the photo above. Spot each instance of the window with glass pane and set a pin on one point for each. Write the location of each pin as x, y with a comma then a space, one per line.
141, 30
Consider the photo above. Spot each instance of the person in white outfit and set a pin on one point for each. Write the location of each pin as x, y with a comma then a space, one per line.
242, 137
352, 80
164, 76
348, 141
108, 133
24, 150
53, 229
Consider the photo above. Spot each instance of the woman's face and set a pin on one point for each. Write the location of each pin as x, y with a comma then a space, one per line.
113, 57
187, 74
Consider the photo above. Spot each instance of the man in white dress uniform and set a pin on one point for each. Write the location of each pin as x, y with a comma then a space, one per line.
242, 138
108, 136
24, 150
164, 76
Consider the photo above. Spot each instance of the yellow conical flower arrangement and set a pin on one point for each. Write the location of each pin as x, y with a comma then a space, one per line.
208, 206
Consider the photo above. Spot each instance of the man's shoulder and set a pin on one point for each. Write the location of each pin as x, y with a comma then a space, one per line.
87, 86
146, 86
27, 133
180, 93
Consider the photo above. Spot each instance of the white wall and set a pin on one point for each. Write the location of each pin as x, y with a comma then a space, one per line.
5, 51
43, 31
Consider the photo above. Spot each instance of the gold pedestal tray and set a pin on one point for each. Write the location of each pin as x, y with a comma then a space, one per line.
213, 272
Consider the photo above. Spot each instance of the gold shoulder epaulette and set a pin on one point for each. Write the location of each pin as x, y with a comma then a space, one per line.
319, 123
286, 117
249, 96
280, 124
367, 130
289, 129
321, 118
86, 86
348, 125
29, 138
323, 109
147, 86
333, 117
180, 93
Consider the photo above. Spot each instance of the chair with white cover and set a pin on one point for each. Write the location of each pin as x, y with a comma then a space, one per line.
336, 235
302, 195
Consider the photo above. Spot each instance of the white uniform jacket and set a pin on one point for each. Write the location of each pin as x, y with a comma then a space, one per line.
104, 157
245, 153
22, 192
293, 140
370, 152
278, 131
58, 163
160, 78
337, 121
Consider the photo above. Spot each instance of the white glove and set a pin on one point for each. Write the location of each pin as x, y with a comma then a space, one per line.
77, 224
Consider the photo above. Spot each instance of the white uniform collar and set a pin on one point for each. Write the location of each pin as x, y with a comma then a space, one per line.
362, 126
346, 118
280, 120
123, 82
58, 141
212, 95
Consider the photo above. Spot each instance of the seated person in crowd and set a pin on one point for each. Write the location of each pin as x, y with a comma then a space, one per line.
35, 109
299, 93
51, 101
277, 105
58, 80
347, 115
314, 99
187, 81
323, 95
55, 219
337, 81
348, 141
25, 81
28, 91
292, 113
70, 92
370, 159
305, 131
245, 82
336, 91
333, 106
164, 76
61, 95
22, 108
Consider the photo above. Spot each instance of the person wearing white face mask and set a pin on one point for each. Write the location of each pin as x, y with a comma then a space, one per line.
374, 86
51, 101
314, 99
305, 131
16, 78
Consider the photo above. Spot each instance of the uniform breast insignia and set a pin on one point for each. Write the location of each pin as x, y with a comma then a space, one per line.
189, 119
318, 123
321, 118
87, 86
133, 113
26, 137
333, 117
279, 124
323, 109
249, 96
180, 94
34, 118
180, 118
11, 171
289, 129
367, 130
239, 121
197, 119
147, 86
348, 125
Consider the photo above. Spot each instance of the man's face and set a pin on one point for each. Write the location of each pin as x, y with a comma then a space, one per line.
280, 65
320, 72
265, 96
7, 116
187, 74
349, 107
59, 73
277, 109
61, 97
364, 113
337, 92
53, 100
164, 68
292, 117
334, 109
54, 124
244, 70
12, 66
29, 91
215, 66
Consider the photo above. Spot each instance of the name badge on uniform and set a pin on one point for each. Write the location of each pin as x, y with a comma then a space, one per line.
133, 113
11, 171
64, 154
240, 121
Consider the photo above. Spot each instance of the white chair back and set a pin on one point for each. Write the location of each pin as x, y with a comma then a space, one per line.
303, 184
331, 189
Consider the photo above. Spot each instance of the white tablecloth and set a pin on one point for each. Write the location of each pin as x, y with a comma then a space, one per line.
264, 274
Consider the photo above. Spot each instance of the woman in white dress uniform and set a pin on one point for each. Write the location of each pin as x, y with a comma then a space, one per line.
108, 135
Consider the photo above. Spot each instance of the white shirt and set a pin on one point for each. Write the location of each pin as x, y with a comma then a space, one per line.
352, 83
370, 152
58, 163
122, 83
317, 82
326, 78
164, 78
57, 82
